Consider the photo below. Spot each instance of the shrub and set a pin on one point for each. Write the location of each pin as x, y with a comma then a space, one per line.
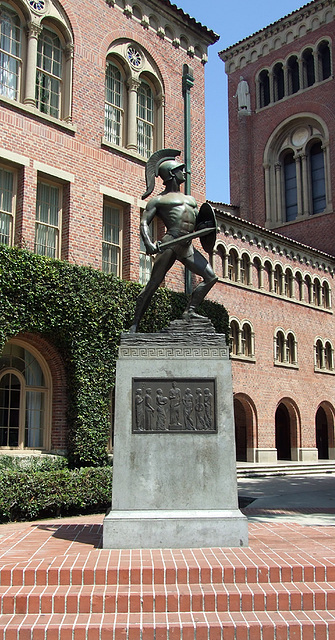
82, 312
28, 493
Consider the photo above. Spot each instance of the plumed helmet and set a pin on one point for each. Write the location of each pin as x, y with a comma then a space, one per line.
167, 168
162, 163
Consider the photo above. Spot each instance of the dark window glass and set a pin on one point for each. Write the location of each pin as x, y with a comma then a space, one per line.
264, 88
318, 179
291, 195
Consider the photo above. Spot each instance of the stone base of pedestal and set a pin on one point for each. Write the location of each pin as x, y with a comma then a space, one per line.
174, 465
163, 529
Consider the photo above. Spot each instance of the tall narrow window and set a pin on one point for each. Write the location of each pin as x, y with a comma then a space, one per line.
113, 104
49, 73
308, 67
245, 263
7, 206
319, 355
278, 81
111, 240
264, 88
277, 279
232, 266
293, 75
328, 356
246, 340
48, 220
290, 349
290, 182
145, 120
234, 337
324, 60
280, 347
318, 178
10, 53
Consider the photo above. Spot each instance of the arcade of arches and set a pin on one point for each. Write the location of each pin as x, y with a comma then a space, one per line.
287, 430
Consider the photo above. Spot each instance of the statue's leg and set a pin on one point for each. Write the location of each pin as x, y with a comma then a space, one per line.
198, 264
163, 263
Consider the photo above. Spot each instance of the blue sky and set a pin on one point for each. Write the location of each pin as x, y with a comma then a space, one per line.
232, 21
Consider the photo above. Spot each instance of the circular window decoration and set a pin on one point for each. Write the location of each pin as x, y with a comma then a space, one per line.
134, 57
37, 5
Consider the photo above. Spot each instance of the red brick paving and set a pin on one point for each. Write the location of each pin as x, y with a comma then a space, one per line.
57, 583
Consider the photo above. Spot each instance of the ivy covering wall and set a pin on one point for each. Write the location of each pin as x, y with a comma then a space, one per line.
82, 312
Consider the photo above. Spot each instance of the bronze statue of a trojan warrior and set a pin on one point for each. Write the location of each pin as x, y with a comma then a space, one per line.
183, 222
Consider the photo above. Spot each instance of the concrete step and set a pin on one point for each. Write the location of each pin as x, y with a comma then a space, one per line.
255, 469
101, 599
251, 625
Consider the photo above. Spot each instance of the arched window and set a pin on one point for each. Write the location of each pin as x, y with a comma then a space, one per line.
318, 178
232, 266
293, 75
325, 295
246, 340
309, 288
234, 337
319, 355
145, 120
264, 88
114, 110
278, 82
308, 68
134, 100
258, 280
296, 177
245, 268
291, 349
24, 399
300, 284
324, 60
277, 281
285, 348
329, 364
290, 180
280, 347
10, 53
288, 283
49, 73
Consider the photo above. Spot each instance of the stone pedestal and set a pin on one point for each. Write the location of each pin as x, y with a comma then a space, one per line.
174, 476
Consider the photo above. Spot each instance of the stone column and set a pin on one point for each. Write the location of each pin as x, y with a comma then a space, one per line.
67, 84
133, 86
267, 194
238, 269
34, 31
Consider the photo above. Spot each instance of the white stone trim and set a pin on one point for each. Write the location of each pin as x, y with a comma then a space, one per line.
5, 154
53, 171
116, 195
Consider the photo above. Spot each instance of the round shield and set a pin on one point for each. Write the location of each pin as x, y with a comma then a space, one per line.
206, 218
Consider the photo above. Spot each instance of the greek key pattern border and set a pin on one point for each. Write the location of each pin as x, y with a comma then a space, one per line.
160, 352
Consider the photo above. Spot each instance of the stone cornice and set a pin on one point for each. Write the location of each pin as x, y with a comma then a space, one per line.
298, 23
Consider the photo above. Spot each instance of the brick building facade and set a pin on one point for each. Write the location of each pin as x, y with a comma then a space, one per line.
87, 93
275, 252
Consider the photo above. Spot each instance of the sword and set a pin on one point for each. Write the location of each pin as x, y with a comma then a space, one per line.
188, 236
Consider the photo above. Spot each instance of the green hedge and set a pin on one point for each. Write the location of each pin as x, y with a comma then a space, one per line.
26, 494
82, 311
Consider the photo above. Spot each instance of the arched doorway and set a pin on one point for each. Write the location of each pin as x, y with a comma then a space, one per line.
321, 434
283, 433
245, 427
240, 431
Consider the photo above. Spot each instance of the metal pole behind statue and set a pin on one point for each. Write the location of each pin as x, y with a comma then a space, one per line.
188, 82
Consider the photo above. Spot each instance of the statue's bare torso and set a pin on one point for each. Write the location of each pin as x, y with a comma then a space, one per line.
176, 210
